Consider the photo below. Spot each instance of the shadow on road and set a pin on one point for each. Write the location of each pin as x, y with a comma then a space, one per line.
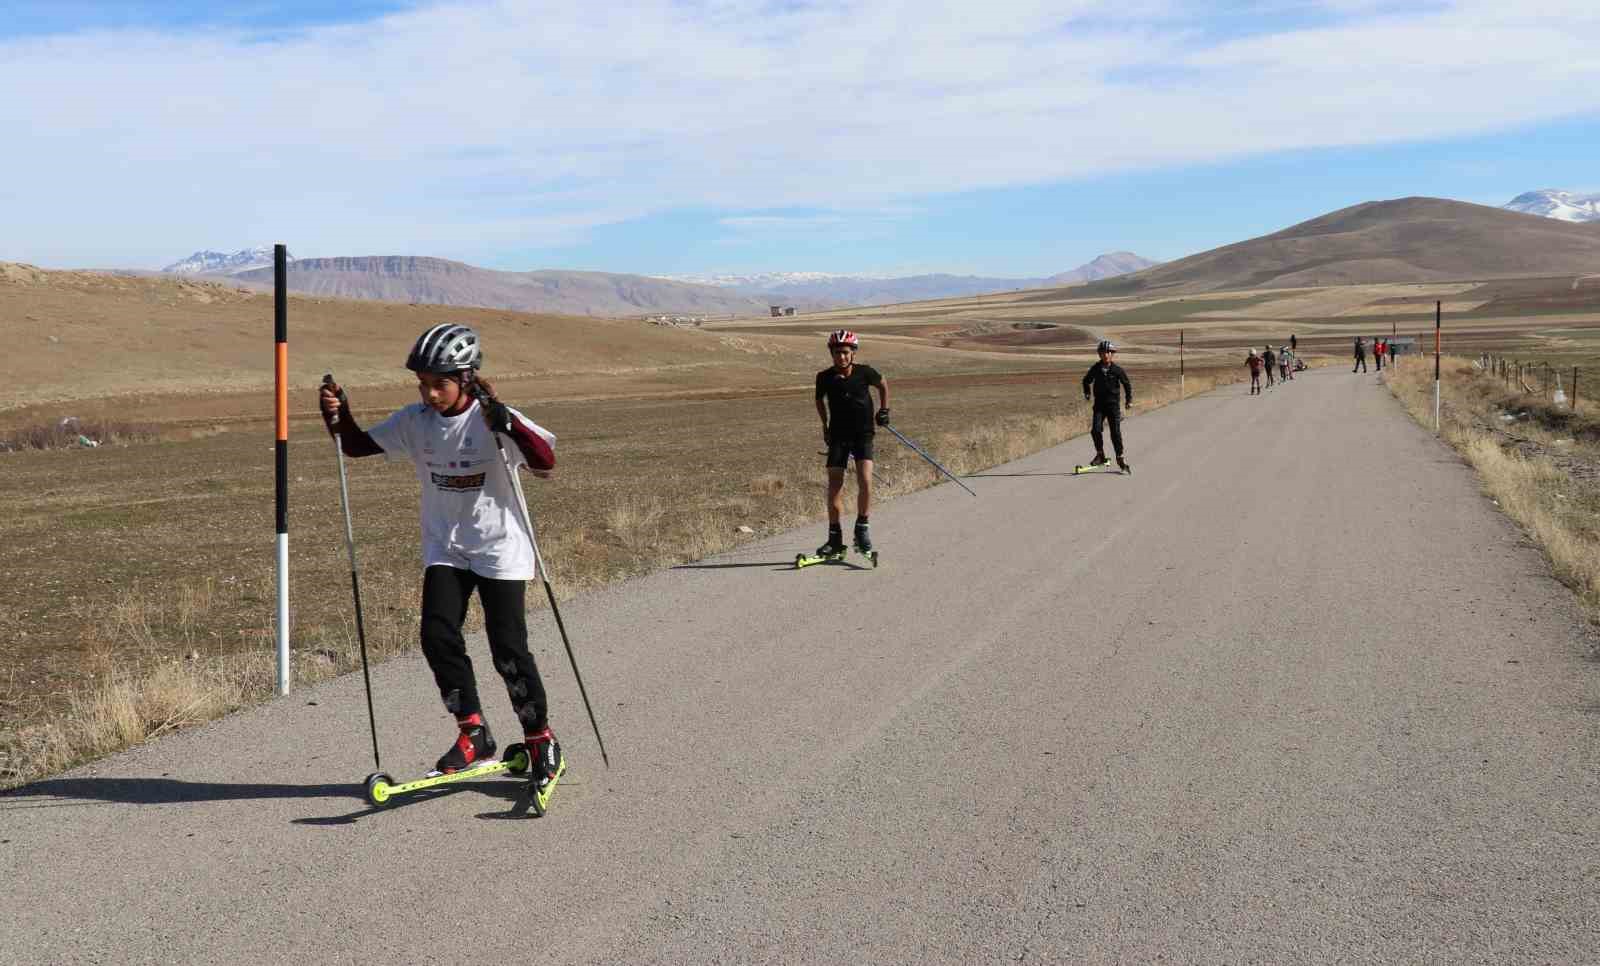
158, 791
67, 792
985, 476
786, 564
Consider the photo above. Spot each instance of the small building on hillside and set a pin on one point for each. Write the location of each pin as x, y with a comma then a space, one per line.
777, 310
788, 310
1402, 345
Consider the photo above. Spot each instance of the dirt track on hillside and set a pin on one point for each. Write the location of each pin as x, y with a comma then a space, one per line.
1294, 692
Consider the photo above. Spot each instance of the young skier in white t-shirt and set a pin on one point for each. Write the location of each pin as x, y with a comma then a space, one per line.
473, 533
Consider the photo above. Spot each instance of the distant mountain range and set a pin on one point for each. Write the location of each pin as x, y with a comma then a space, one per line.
438, 281
1555, 203
220, 263
843, 290
1405, 240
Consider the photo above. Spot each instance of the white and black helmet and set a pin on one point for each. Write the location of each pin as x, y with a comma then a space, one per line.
445, 349
1106, 345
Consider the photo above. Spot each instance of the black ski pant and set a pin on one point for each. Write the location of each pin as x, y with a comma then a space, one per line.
1361, 363
1108, 415
445, 593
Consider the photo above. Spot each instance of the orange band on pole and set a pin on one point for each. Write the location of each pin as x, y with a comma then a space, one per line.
283, 390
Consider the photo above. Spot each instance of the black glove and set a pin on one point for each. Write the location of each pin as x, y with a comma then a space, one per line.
497, 413
883, 416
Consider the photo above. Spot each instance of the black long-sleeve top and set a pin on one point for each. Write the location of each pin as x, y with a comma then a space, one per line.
1102, 382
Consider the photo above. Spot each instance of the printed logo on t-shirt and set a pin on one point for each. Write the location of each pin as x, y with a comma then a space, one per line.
456, 484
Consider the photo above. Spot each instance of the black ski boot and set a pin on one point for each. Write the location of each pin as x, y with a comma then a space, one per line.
1122, 465
1099, 460
473, 746
863, 537
546, 765
835, 545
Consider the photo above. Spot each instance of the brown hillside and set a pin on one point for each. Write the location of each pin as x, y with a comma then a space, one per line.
439, 281
1409, 240
90, 334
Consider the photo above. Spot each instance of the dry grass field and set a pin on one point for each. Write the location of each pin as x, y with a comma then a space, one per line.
1539, 460
137, 593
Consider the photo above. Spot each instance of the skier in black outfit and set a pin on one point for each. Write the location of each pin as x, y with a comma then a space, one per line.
1107, 384
844, 403
1269, 359
1361, 355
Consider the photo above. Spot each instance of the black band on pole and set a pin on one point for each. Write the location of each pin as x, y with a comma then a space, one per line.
1180, 352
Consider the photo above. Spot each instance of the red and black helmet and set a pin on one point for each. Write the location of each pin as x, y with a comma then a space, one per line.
845, 338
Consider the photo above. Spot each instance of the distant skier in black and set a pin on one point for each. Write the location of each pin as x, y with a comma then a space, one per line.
1107, 385
1361, 355
1294, 343
844, 404
1269, 359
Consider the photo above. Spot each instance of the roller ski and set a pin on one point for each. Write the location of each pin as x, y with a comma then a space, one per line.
470, 757
831, 552
549, 764
1100, 465
863, 543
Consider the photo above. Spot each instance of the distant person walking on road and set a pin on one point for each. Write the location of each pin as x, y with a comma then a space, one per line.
1294, 344
1283, 364
1268, 361
844, 404
473, 535
1361, 355
1380, 349
1254, 362
1107, 385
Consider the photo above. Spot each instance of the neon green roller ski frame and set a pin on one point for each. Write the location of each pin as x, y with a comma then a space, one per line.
382, 790
1102, 468
806, 560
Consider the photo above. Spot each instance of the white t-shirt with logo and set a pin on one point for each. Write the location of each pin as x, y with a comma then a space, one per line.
470, 517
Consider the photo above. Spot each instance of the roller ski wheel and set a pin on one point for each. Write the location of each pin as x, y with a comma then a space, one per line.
868, 552
379, 787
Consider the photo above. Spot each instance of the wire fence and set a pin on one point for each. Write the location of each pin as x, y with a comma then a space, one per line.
1536, 378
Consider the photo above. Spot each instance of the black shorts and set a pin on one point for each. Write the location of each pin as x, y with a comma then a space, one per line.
840, 450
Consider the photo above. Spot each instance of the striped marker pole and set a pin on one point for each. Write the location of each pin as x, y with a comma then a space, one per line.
1438, 312
1181, 393
280, 316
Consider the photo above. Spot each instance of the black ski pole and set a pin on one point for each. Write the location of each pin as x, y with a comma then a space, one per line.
918, 450
355, 582
538, 561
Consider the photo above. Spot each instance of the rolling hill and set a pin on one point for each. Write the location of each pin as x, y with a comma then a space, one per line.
1407, 240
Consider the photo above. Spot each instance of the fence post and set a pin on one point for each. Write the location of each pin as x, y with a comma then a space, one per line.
1574, 388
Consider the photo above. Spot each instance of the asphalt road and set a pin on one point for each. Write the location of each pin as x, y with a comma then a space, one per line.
1294, 692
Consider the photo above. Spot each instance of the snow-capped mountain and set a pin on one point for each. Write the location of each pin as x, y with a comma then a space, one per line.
221, 263
1555, 203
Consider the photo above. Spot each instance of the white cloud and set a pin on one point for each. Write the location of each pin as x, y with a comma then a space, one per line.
465, 128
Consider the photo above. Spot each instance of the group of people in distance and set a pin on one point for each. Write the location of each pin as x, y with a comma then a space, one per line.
1381, 350
1284, 359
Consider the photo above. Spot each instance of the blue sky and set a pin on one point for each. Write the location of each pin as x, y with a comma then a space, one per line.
1015, 137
